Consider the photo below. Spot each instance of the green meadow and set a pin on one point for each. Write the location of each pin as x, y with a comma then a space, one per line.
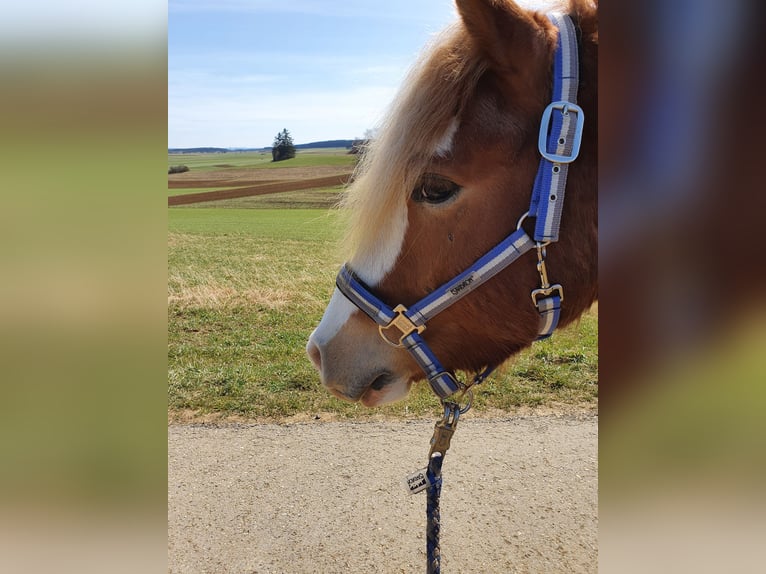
249, 282
261, 160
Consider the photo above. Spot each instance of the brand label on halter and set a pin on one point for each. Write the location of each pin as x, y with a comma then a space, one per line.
417, 481
462, 285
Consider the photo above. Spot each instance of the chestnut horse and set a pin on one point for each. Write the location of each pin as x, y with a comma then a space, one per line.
447, 178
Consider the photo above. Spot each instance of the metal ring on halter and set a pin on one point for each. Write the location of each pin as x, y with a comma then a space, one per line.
521, 220
467, 406
461, 392
455, 399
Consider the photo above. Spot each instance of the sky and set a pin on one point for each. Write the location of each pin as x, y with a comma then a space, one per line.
239, 71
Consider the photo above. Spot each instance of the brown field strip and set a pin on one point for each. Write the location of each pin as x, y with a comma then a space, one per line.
202, 183
262, 189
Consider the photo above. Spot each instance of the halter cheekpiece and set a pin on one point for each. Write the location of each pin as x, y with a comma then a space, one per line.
559, 144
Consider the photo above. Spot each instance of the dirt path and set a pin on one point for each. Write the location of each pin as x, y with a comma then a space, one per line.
520, 495
249, 176
261, 189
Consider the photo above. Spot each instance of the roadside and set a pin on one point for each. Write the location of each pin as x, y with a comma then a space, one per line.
520, 495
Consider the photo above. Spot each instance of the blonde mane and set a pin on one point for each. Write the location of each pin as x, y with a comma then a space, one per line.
432, 96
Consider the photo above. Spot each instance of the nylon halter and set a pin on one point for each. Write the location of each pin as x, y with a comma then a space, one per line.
559, 145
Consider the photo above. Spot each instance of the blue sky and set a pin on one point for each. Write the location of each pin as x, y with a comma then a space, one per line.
239, 71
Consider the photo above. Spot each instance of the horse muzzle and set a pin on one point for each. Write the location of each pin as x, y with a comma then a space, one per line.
353, 361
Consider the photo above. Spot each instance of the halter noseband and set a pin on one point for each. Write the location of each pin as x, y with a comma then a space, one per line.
559, 144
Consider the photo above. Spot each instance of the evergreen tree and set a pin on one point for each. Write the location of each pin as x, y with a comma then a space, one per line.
283, 147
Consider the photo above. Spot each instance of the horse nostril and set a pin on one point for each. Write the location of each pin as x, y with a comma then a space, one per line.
312, 350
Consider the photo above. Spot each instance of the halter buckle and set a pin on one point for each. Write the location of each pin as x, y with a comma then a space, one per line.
403, 323
545, 124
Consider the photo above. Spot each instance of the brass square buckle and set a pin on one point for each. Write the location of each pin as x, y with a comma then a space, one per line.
403, 324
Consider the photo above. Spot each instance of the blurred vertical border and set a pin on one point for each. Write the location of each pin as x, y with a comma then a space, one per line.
682, 276
83, 288
83, 479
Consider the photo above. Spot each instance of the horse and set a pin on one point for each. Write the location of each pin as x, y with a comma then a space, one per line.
448, 175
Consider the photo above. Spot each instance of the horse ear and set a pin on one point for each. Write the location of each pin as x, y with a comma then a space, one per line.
502, 31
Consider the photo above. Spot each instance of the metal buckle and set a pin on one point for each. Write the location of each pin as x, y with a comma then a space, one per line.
546, 289
547, 292
542, 140
444, 429
401, 322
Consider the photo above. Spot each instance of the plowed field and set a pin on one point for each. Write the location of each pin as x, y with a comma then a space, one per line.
249, 182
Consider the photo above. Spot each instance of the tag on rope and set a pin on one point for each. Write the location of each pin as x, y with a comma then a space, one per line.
417, 481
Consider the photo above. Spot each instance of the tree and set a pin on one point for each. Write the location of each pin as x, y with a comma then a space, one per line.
359, 145
283, 146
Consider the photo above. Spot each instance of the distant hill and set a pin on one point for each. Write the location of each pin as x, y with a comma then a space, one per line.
312, 145
327, 143
198, 150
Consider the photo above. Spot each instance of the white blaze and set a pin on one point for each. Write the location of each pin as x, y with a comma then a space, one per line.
335, 316
444, 147
375, 263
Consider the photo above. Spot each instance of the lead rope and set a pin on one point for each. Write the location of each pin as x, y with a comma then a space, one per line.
440, 442
443, 431
433, 525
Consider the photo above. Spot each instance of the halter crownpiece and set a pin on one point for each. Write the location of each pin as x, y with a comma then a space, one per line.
559, 144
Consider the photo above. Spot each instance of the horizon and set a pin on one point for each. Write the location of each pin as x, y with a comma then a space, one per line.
248, 148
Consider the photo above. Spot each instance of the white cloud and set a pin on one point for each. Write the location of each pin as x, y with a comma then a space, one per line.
252, 119
215, 107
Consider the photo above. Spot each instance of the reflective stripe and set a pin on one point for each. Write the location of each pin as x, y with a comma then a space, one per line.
550, 183
486, 267
352, 287
549, 309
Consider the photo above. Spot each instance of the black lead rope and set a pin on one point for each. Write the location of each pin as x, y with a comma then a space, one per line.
433, 525
443, 431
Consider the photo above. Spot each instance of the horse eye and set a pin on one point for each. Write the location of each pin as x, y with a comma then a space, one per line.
434, 188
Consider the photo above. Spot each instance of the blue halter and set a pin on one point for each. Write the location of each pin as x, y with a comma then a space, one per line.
559, 144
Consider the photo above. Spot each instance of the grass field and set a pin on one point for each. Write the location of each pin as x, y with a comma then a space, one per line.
246, 286
261, 160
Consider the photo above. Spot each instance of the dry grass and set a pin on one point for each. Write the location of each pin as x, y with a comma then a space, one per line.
218, 296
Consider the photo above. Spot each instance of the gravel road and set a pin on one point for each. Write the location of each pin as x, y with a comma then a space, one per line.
519, 495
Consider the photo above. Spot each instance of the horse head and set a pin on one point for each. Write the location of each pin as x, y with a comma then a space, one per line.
448, 176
